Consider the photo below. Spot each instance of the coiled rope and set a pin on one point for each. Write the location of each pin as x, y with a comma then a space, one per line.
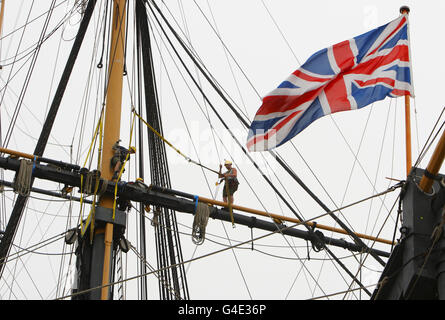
202, 212
22, 179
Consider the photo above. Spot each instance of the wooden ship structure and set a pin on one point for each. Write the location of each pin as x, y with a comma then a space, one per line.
413, 269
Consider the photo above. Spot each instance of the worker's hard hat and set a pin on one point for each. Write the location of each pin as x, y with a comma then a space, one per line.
227, 162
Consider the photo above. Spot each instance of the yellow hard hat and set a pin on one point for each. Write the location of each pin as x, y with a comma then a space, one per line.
227, 162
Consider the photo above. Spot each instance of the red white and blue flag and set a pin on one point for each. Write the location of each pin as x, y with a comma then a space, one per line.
346, 76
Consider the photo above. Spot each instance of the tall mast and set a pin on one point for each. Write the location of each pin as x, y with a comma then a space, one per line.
96, 250
112, 128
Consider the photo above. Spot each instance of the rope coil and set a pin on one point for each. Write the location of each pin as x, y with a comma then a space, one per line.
202, 212
22, 179
90, 177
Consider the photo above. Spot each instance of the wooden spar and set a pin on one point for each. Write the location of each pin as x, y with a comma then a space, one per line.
254, 211
18, 153
405, 10
433, 166
289, 219
112, 126
2, 13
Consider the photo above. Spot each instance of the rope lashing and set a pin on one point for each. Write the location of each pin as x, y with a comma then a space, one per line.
34, 164
196, 203
202, 212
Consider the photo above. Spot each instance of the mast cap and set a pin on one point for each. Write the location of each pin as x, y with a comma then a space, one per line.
404, 9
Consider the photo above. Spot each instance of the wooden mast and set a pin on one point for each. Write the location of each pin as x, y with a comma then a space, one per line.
405, 10
112, 127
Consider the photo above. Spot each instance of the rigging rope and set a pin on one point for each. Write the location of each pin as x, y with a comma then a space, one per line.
206, 115
246, 125
163, 282
263, 174
123, 166
100, 64
83, 188
171, 145
181, 263
426, 146
298, 180
384, 222
217, 184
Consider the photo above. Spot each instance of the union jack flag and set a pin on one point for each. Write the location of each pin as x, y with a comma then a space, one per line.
348, 75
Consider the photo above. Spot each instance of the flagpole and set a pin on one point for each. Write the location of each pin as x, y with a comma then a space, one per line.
408, 135
2, 13
405, 10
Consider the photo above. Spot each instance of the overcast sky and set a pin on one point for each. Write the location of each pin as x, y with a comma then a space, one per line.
343, 158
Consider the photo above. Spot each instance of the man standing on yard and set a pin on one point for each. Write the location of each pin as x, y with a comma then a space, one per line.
231, 181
